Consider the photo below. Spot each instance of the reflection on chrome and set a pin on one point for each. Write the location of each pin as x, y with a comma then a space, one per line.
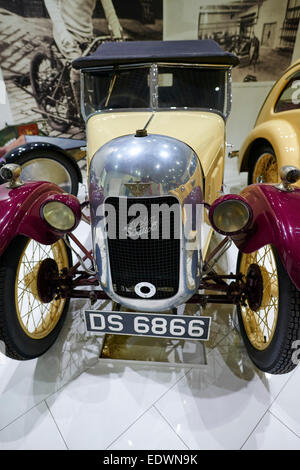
144, 183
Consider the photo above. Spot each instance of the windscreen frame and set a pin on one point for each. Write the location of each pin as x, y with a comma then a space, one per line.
153, 88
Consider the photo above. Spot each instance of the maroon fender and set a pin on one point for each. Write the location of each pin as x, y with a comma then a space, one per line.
20, 212
276, 221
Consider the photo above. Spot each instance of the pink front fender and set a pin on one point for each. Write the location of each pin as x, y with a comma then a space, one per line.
276, 221
20, 212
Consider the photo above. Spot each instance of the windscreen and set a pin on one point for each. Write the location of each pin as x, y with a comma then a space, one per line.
116, 89
174, 87
192, 87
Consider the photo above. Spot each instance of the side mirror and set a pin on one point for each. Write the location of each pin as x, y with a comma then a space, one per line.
289, 175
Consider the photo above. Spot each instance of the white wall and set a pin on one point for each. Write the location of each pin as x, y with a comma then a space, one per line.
247, 99
181, 19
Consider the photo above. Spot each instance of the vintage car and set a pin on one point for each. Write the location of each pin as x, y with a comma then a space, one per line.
275, 139
155, 114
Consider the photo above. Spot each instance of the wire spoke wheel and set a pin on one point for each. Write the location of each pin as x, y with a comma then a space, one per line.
44, 75
49, 93
31, 311
268, 316
37, 318
263, 165
266, 169
260, 324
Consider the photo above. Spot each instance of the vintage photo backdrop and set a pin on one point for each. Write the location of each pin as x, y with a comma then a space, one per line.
263, 33
38, 40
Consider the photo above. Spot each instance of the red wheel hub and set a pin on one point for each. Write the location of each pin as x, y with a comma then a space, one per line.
46, 280
254, 287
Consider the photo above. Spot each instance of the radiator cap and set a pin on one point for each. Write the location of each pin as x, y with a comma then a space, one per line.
141, 133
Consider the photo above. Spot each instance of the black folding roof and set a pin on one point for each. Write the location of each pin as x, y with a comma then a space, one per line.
204, 51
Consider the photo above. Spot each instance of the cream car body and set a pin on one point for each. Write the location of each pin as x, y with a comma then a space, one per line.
182, 107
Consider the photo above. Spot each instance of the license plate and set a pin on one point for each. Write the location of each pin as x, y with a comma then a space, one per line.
147, 324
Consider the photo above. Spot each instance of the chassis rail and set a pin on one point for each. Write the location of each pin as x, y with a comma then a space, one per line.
68, 284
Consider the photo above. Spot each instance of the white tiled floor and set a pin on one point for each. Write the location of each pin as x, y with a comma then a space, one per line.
271, 434
68, 399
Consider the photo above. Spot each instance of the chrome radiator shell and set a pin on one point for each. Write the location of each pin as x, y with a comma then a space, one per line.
149, 167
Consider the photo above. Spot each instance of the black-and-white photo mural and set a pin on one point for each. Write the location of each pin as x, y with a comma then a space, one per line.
40, 38
264, 34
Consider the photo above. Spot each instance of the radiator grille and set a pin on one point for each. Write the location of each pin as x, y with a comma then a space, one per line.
145, 260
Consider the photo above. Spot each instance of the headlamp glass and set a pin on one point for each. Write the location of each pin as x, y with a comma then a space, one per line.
59, 216
231, 216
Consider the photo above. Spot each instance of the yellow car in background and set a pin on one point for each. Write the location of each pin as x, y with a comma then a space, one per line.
275, 139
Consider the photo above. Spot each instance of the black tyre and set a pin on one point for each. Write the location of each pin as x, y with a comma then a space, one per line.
263, 166
44, 74
48, 165
270, 319
28, 325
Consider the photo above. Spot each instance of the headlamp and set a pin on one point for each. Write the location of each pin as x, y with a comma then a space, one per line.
59, 216
230, 216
